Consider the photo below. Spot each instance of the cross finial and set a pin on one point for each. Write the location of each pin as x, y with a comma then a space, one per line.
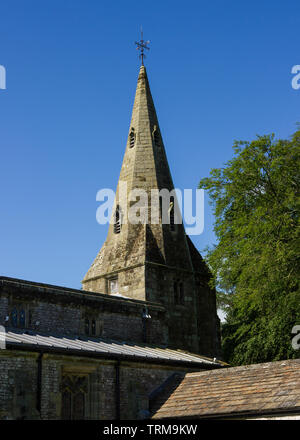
142, 45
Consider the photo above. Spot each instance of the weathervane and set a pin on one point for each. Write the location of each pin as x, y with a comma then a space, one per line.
142, 45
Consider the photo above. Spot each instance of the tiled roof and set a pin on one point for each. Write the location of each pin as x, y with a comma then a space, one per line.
99, 346
266, 388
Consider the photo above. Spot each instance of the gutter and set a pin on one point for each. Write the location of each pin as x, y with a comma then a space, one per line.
113, 356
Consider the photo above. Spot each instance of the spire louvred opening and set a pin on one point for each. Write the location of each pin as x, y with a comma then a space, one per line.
117, 222
131, 138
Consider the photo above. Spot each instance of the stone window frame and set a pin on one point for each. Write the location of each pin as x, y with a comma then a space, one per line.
132, 137
92, 326
19, 307
74, 384
109, 280
173, 226
118, 220
156, 136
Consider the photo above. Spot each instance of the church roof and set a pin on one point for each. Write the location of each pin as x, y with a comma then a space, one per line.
259, 389
105, 348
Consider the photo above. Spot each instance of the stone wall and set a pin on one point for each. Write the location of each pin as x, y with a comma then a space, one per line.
18, 385
51, 309
20, 399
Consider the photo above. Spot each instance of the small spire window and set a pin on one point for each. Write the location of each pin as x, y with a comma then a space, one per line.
155, 135
156, 138
117, 220
131, 138
160, 207
171, 211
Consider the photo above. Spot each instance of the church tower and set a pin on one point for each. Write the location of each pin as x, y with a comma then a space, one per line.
154, 260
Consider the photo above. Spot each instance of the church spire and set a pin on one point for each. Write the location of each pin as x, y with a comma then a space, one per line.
145, 166
153, 261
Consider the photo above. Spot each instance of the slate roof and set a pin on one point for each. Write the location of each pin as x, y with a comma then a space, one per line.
106, 348
265, 388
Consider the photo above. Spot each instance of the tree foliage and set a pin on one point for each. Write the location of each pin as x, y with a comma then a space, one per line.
256, 261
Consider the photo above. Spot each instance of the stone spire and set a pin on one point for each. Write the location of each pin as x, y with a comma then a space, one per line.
145, 166
146, 261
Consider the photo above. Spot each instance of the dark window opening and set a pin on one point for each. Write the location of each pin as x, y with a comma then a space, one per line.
156, 137
90, 327
22, 318
14, 318
132, 138
160, 206
117, 222
18, 317
172, 215
74, 390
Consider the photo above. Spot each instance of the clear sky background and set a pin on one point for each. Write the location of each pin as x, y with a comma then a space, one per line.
218, 71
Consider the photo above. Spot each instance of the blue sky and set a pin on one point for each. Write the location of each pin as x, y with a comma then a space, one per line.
218, 71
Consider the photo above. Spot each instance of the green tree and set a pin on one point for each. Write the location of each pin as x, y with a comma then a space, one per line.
256, 261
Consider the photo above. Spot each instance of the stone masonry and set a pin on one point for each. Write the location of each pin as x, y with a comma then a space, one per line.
146, 298
148, 261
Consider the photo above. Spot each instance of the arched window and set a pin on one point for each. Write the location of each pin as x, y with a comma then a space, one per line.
117, 222
73, 391
131, 138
